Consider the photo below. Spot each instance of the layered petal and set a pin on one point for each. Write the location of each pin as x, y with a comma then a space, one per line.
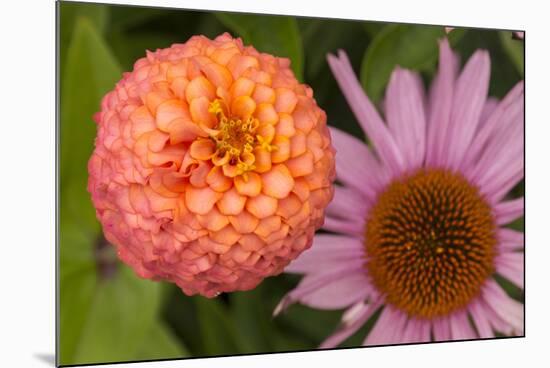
212, 166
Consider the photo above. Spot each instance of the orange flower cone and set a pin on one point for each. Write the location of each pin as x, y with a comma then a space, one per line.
212, 166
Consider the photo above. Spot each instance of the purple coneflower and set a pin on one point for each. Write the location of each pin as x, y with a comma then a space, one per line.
419, 219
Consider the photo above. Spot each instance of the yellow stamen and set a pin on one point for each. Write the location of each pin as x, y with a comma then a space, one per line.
265, 143
238, 139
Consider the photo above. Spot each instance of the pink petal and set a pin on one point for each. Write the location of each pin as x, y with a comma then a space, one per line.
470, 96
356, 166
497, 120
442, 329
460, 326
338, 293
417, 331
509, 211
356, 228
495, 159
330, 243
366, 114
480, 320
350, 325
441, 102
497, 323
389, 327
313, 283
510, 240
328, 252
347, 204
490, 106
510, 265
423, 334
510, 310
405, 115
412, 331
507, 180
501, 164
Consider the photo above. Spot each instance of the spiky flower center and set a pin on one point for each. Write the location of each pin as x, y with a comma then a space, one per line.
236, 140
430, 241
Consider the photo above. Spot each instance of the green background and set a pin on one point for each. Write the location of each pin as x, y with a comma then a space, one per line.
109, 314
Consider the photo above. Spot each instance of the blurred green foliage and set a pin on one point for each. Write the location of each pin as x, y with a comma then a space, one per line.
107, 313
99, 320
408, 46
515, 51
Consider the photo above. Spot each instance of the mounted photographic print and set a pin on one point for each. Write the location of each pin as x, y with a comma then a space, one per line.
234, 183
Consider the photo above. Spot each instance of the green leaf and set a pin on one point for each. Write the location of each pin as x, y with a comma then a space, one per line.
250, 313
76, 245
511, 289
160, 343
131, 17
277, 35
123, 310
518, 224
514, 49
75, 297
101, 319
335, 34
69, 13
90, 72
79, 228
219, 332
373, 28
314, 324
409, 46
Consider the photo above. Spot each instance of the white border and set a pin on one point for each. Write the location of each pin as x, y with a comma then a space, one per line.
27, 182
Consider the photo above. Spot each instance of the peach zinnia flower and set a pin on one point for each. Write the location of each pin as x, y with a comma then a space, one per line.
419, 220
212, 166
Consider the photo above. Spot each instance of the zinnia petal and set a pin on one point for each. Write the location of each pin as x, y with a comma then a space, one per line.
192, 175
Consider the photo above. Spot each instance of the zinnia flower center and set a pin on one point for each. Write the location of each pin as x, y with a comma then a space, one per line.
235, 140
430, 241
